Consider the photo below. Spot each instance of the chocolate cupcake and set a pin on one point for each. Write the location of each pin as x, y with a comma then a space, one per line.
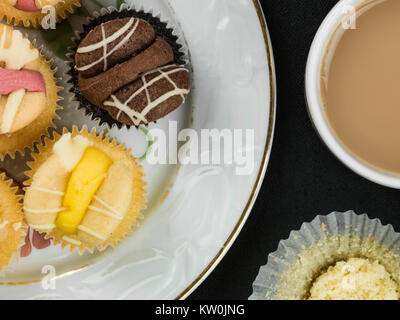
128, 69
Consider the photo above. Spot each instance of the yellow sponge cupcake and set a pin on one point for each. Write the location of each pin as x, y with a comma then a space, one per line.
28, 93
85, 191
341, 256
28, 13
12, 226
355, 279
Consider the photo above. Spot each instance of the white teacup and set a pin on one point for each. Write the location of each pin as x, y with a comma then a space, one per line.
342, 13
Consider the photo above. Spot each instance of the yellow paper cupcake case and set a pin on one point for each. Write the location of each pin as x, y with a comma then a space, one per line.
85, 238
26, 19
31, 134
12, 226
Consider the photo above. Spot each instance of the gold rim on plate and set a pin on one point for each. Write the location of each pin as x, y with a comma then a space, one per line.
263, 168
257, 185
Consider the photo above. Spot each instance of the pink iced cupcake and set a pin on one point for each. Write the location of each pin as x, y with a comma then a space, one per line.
29, 13
28, 93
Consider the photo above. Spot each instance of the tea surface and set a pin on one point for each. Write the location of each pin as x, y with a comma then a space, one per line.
360, 85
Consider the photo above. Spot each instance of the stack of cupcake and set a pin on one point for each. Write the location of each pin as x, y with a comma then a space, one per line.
83, 190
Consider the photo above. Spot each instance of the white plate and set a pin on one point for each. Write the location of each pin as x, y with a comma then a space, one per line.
194, 212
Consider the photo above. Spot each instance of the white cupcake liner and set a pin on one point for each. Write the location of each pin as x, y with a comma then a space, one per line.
324, 241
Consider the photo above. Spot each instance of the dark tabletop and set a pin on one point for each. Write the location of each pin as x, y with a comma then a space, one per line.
303, 178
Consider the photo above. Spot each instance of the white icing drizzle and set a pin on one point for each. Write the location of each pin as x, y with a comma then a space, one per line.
108, 206
70, 151
91, 232
105, 41
107, 213
57, 193
146, 88
137, 117
11, 109
42, 227
166, 75
71, 240
19, 53
4, 224
104, 47
44, 210
17, 226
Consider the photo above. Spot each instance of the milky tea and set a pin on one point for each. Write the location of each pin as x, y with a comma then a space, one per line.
360, 85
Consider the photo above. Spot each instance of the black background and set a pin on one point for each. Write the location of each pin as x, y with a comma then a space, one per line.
304, 178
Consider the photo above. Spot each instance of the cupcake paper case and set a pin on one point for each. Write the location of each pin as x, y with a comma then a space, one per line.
29, 93
82, 170
12, 226
28, 13
299, 260
157, 82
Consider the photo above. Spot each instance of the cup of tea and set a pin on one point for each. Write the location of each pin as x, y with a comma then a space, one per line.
353, 87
